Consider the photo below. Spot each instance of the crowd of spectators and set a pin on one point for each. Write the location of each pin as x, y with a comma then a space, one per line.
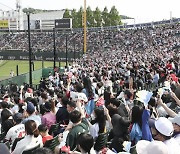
123, 100
161, 38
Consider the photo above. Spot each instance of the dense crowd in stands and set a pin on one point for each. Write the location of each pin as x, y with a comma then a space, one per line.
163, 37
124, 100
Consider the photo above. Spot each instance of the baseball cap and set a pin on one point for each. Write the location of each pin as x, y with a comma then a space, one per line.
27, 95
30, 107
147, 147
164, 126
82, 96
176, 119
17, 117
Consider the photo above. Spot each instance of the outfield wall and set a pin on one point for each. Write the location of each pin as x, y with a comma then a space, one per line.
24, 78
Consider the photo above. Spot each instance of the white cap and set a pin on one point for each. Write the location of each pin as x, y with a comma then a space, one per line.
74, 95
154, 147
82, 96
28, 95
164, 126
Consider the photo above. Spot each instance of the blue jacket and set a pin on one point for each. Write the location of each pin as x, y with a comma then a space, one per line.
136, 133
91, 103
146, 132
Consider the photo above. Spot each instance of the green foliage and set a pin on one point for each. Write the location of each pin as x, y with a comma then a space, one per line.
29, 10
105, 17
67, 14
97, 17
79, 18
90, 17
114, 17
74, 17
32, 10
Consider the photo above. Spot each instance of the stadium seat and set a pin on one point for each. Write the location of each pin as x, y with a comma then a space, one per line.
133, 150
101, 141
7, 144
15, 143
51, 144
2, 136
30, 151
54, 129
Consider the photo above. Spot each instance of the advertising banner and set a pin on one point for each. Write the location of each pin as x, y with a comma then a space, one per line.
4, 24
38, 56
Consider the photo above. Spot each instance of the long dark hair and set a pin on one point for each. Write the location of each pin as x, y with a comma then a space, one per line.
136, 116
88, 86
5, 114
31, 128
100, 119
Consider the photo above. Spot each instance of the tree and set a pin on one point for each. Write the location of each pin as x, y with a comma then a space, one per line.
29, 10
90, 17
105, 17
114, 17
74, 18
97, 17
79, 18
67, 14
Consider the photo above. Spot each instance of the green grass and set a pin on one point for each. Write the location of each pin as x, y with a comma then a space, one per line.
7, 66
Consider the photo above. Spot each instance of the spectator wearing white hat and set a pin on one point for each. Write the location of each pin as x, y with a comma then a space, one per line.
174, 118
163, 132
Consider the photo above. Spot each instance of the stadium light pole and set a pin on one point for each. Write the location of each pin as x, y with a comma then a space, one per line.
30, 50
85, 27
54, 40
74, 49
66, 52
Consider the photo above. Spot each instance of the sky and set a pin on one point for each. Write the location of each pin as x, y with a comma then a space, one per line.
141, 10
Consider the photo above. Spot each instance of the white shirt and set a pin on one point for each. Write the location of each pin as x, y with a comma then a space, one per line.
34, 117
17, 131
15, 109
127, 73
28, 142
177, 138
73, 79
94, 129
51, 78
173, 146
0, 112
58, 105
